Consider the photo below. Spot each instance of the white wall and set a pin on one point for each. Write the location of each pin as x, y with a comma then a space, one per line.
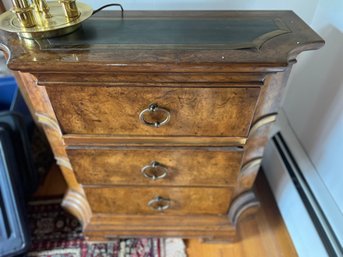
314, 102
304, 8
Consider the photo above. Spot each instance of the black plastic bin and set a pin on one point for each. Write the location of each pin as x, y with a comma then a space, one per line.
18, 178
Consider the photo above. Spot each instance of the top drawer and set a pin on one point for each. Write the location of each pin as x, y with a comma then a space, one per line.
105, 110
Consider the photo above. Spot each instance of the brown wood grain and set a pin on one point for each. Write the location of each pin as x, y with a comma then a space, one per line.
223, 236
189, 167
94, 93
269, 102
134, 200
262, 235
271, 95
153, 79
38, 102
115, 111
76, 140
112, 221
274, 55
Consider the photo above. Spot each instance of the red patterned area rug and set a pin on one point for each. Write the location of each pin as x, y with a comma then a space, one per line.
55, 233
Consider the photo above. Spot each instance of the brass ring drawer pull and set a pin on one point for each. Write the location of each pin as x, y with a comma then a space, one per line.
151, 109
159, 203
154, 171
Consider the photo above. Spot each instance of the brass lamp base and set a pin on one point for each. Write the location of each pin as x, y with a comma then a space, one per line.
56, 25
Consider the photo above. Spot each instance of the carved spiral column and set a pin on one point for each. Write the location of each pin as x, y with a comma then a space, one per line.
75, 200
259, 134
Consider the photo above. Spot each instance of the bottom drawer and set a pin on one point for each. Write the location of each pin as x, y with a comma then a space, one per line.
153, 200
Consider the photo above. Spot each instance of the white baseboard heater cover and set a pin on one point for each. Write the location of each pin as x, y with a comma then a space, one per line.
312, 218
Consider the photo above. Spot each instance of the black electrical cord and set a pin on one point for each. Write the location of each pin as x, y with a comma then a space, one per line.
109, 5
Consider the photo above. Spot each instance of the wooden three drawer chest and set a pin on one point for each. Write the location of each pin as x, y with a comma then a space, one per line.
158, 120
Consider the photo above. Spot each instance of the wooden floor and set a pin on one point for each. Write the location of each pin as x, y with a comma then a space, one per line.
263, 235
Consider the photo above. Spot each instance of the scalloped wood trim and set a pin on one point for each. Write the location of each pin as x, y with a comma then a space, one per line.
250, 165
49, 122
262, 122
77, 204
244, 204
61, 161
248, 175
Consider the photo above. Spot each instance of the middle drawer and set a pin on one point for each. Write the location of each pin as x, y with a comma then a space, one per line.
175, 166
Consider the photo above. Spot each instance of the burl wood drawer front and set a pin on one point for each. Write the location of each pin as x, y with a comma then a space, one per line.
155, 200
156, 166
191, 111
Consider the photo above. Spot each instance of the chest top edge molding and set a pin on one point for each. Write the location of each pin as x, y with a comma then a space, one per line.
229, 41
